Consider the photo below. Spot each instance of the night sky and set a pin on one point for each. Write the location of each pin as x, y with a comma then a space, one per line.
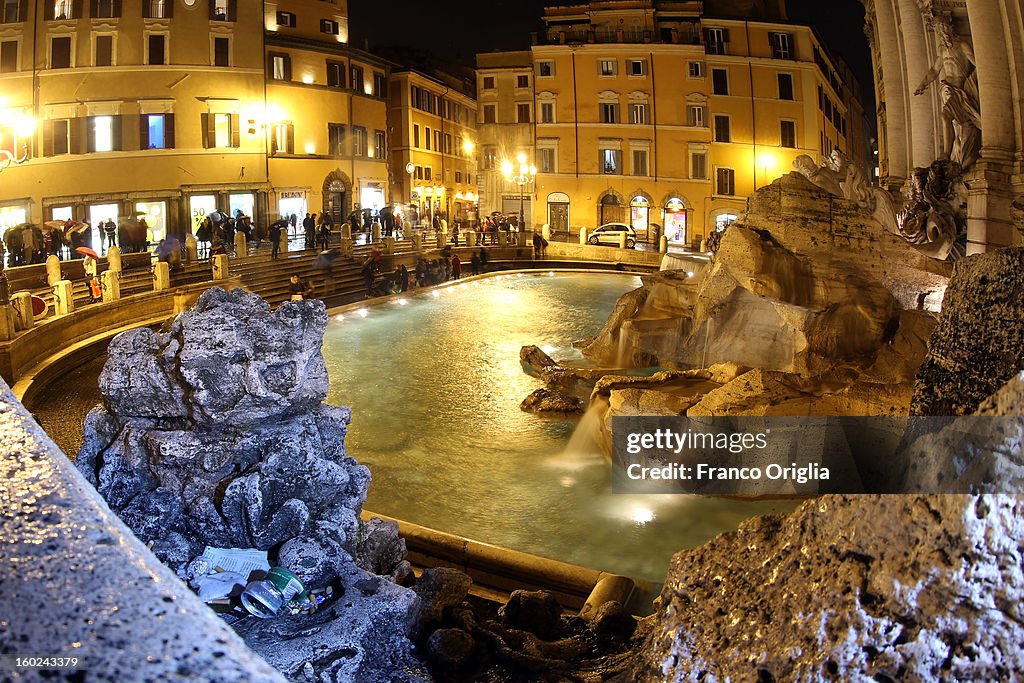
458, 29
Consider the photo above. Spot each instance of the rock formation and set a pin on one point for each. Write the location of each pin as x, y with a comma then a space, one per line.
214, 432
885, 588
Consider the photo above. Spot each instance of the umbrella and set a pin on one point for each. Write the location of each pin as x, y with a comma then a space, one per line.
281, 222
75, 229
55, 225
86, 251
326, 259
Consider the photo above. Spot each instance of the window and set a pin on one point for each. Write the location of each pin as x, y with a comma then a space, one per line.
611, 161
638, 114
447, 143
546, 160
358, 141
223, 10
606, 67
785, 86
437, 140
380, 149
157, 131
157, 9
104, 50
63, 9
428, 173
336, 139
356, 78
490, 157
220, 130
57, 137
488, 83
695, 116
522, 81
60, 52
286, 19
699, 165
379, 84
787, 133
156, 44
427, 138
696, 69
609, 112
330, 26
726, 181
280, 67
13, 11
722, 129
221, 51
546, 68
415, 135
103, 134
9, 56
715, 40
720, 81
282, 138
335, 75
105, 9
640, 162
419, 173
781, 45
636, 67
523, 113
547, 112
490, 113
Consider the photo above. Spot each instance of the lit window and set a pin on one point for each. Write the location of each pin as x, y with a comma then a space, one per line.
606, 67
102, 134
63, 9
611, 161
547, 112
155, 127
696, 69
546, 68
221, 130
638, 114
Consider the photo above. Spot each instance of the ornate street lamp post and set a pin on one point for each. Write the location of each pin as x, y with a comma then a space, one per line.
527, 174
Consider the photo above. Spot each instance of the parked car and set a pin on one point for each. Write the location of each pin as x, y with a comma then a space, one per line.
609, 234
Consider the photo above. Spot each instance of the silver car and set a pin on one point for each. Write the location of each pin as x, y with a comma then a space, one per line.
609, 233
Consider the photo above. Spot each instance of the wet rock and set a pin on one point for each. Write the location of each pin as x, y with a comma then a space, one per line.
403, 574
534, 360
613, 621
438, 588
978, 343
379, 549
536, 612
885, 588
548, 401
450, 647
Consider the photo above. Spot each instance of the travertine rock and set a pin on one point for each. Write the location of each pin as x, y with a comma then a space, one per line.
214, 432
849, 588
978, 343
554, 402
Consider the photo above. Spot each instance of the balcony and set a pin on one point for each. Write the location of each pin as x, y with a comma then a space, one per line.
569, 35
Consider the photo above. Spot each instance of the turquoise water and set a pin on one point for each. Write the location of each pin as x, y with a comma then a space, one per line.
435, 386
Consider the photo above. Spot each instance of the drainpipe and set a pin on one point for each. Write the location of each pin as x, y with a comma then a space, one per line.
753, 108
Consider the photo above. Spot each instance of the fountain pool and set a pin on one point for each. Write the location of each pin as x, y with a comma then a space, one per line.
434, 382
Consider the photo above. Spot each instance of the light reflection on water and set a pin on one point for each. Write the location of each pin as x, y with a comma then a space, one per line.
435, 387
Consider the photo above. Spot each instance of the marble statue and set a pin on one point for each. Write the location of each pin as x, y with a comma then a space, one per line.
931, 218
840, 176
954, 71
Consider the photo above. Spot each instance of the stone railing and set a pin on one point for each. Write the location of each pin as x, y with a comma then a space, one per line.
79, 584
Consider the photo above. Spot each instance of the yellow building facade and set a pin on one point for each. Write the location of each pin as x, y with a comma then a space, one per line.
653, 114
169, 110
433, 145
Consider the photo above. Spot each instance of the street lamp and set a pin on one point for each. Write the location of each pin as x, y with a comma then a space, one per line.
21, 126
527, 174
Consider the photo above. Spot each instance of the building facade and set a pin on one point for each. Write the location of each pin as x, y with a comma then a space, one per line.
433, 128
658, 115
948, 85
169, 110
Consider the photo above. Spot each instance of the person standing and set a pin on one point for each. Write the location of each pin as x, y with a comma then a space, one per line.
456, 267
403, 277
275, 239
110, 230
309, 228
299, 289
485, 256
455, 233
325, 235
475, 263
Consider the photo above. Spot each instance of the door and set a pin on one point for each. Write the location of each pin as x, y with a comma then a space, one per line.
611, 211
558, 217
334, 206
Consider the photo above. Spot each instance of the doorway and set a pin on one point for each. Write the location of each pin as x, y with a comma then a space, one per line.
611, 209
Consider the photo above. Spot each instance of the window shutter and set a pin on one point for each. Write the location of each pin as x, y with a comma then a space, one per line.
94, 8
143, 131
232, 10
213, 9
76, 131
168, 9
273, 140
235, 132
90, 134
291, 139
47, 11
76, 9
116, 133
117, 8
48, 138
725, 35
145, 9
169, 131
206, 122
287, 68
